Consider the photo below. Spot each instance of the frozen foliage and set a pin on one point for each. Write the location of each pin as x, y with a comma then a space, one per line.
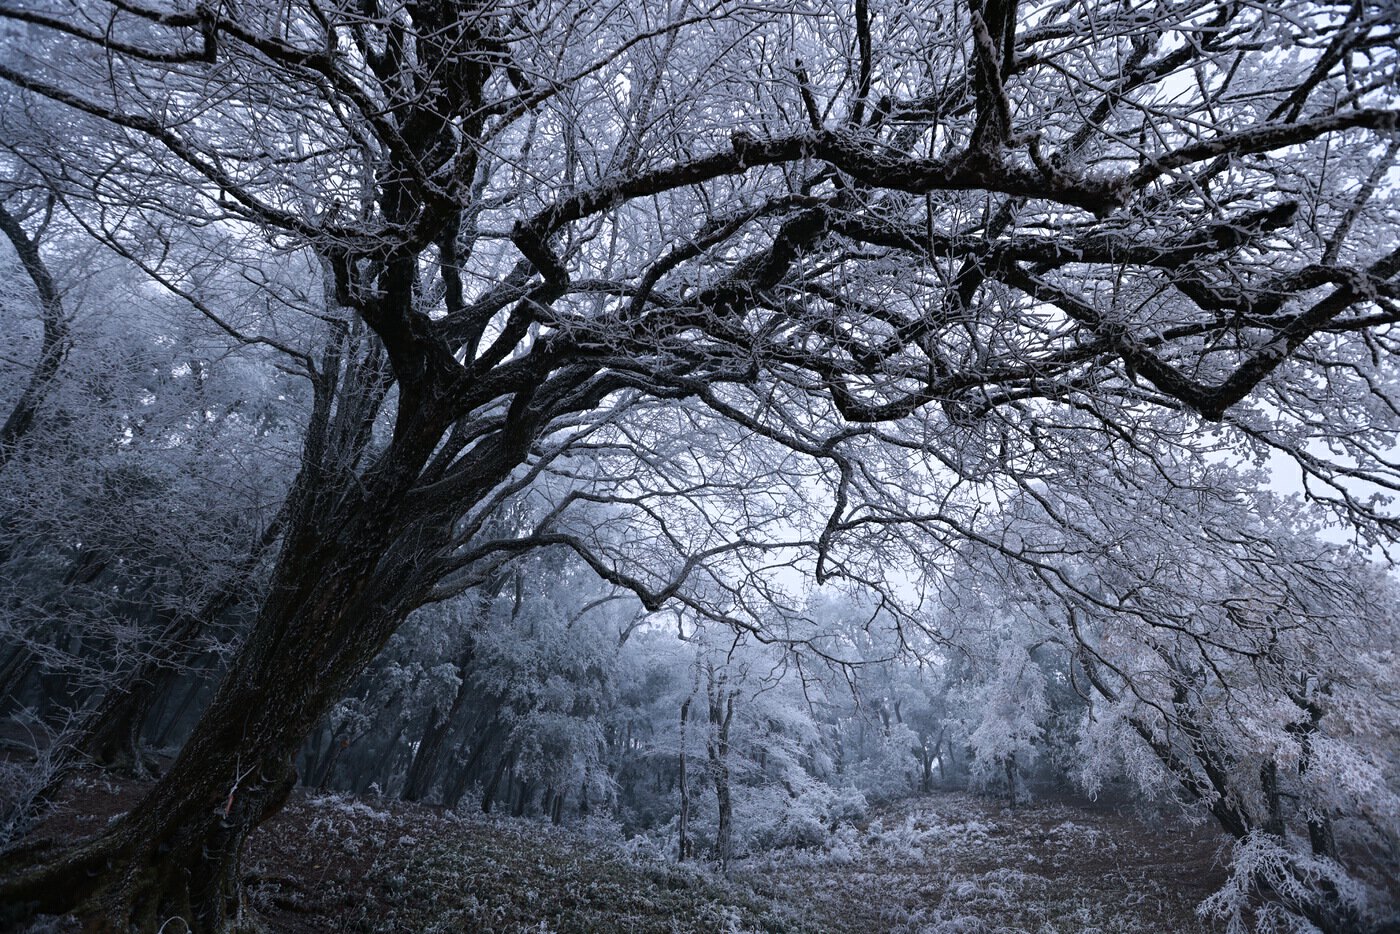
459, 401
1291, 882
1004, 718
956, 862
1246, 670
24, 779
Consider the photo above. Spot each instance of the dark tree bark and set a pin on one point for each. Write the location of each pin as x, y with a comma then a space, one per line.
488, 794
469, 769
683, 818
113, 742
412, 100
427, 760
524, 792
325, 768
54, 343
721, 719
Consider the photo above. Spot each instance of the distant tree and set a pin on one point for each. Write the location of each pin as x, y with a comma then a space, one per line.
757, 757
1228, 657
785, 288
544, 678
1003, 720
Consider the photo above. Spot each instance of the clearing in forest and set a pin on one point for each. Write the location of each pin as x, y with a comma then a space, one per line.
944, 863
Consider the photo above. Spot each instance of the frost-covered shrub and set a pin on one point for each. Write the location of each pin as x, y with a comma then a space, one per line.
888, 771
1228, 659
1288, 892
801, 815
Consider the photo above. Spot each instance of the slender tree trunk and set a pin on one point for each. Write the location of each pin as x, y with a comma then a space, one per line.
1268, 781
469, 769
165, 710
427, 760
488, 795
339, 743
381, 767
721, 717
53, 346
418, 782
683, 821
1320, 837
724, 829
314, 753
524, 792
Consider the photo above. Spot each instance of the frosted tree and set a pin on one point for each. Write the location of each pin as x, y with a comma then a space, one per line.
118, 568
1229, 658
1004, 720
53, 320
906, 247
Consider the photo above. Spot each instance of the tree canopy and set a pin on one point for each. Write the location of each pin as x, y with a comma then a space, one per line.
717, 297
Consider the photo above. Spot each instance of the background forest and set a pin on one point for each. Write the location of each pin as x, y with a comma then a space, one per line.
707, 424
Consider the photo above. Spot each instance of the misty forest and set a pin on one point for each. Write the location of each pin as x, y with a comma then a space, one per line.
576, 466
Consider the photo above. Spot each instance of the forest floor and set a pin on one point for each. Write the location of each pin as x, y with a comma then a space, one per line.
949, 863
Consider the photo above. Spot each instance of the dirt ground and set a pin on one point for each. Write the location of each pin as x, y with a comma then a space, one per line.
943, 864
957, 863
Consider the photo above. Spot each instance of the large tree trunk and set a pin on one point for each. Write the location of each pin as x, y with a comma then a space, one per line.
360, 552
341, 589
176, 853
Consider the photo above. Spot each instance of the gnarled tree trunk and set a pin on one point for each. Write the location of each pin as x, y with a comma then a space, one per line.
345, 582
